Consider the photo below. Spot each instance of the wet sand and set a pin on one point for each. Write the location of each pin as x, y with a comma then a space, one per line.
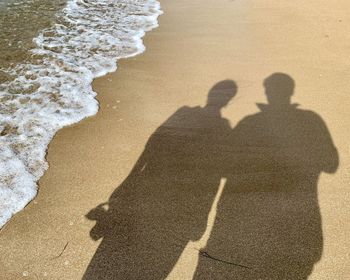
198, 44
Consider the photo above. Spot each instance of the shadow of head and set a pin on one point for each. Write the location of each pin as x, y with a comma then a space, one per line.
221, 94
279, 88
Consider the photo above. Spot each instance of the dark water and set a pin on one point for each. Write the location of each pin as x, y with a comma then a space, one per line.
20, 22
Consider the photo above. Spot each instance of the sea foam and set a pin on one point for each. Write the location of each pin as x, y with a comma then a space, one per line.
53, 88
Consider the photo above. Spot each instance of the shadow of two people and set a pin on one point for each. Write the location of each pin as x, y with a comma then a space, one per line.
268, 218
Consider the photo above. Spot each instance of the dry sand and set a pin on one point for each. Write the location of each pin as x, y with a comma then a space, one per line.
197, 44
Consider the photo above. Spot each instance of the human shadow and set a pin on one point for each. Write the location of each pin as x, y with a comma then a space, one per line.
268, 223
165, 200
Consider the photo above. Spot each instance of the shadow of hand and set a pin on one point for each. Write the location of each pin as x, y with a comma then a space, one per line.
100, 215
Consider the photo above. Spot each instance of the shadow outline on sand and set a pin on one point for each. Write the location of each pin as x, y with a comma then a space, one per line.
268, 219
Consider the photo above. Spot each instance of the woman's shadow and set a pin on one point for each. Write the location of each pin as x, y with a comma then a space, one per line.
164, 202
268, 223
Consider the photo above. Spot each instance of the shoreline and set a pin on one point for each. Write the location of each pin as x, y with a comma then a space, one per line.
52, 90
185, 56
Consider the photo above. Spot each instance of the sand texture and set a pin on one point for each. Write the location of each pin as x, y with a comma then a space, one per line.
202, 164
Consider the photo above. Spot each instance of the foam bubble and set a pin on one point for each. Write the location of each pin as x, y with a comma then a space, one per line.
53, 88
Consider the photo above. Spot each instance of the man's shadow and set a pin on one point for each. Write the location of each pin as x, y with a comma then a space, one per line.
268, 224
165, 200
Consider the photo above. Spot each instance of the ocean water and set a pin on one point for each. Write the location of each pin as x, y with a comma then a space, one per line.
50, 51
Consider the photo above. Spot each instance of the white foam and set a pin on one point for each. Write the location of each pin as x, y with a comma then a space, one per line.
54, 89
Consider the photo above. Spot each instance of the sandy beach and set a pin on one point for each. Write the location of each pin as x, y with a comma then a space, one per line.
197, 45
